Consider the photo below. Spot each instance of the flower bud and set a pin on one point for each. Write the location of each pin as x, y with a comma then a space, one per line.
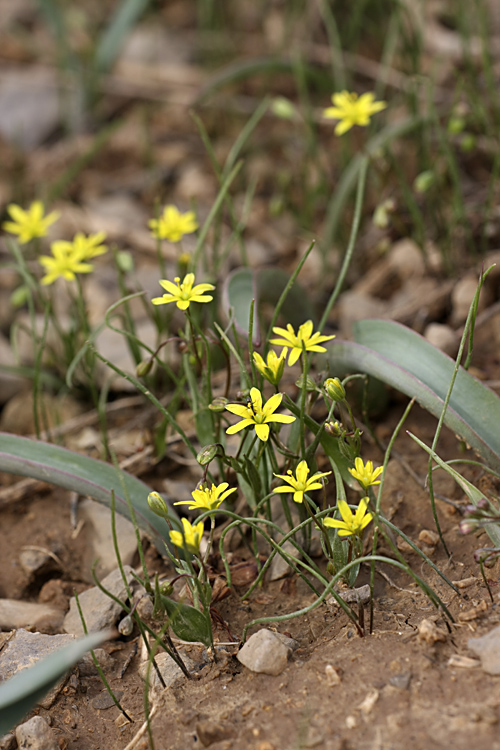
335, 389
166, 588
310, 384
157, 504
125, 261
144, 368
283, 108
483, 504
456, 124
126, 625
424, 181
487, 556
333, 428
467, 527
218, 404
208, 453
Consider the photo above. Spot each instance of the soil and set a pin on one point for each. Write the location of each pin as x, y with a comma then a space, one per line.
399, 683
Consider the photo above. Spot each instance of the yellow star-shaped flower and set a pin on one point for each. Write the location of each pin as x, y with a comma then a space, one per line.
172, 225
208, 499
303, 339
299, 483
83, 248
352, 110
257, 415
29, 224
366, 474
189, 538
352, 524
185, 293
62, 264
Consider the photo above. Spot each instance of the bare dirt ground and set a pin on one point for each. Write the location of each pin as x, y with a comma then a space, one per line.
402, 685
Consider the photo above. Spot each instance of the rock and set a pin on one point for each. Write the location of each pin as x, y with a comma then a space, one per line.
99, 610
443, 337
17, 414
86, 666
25, 649
16, 614
488, 649
332, 676
8, 742
279, 567
354, 305
169, 670
36, 734
428, 632
37, 561
30, 107
98, 517
406, 259
213, 731
462, 296
264, 652
401, 681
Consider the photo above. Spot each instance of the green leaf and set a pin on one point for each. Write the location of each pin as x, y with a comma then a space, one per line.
19, 694
474, 495
124, 19
265, 287
406, 361
84, 475
188, 623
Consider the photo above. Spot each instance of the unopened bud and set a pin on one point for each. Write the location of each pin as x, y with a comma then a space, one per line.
166, 588
157, 504
283, 108
424, 181
483, 504
144, 368
208, 453
467, 527
310, 384
468, 142
126, 625
125, 261
455, 125
487, 556
335, 389
333, 428
218, 404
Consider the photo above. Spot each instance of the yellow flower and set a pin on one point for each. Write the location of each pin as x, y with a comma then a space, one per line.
208, 499
189, 538
29, 224
352, 524
258, 415
300, 483
62, 264
304, 339
185, 293
366, 475
273, 368
83, 248
172, 225
351, 110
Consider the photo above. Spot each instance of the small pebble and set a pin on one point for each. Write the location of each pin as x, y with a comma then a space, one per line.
488, 649
36, 734
264, 652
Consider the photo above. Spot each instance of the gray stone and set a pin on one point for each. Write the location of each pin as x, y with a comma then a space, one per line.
443, 337
30, 108
16, 614
10, 384
487, 647
168, 669
25, 649
279, 567
36, 561
98, 517
86, 666
36, 734
99, 610
265, 653
401, 681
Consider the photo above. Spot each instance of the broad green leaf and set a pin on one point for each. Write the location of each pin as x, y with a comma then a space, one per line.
265, 287
84, 475
187, 622
19, 694
403, 359
472, 492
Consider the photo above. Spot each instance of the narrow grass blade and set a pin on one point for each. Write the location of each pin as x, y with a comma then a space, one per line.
82, 474
19, 694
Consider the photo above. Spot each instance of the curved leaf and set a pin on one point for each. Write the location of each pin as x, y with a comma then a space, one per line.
84, 475
264, 286
19, 694
405, 360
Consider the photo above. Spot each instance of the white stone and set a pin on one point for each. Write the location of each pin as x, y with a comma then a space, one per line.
98, 516
443, 337
265, 653
279, 567
36, 734
487, 647
99, 610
